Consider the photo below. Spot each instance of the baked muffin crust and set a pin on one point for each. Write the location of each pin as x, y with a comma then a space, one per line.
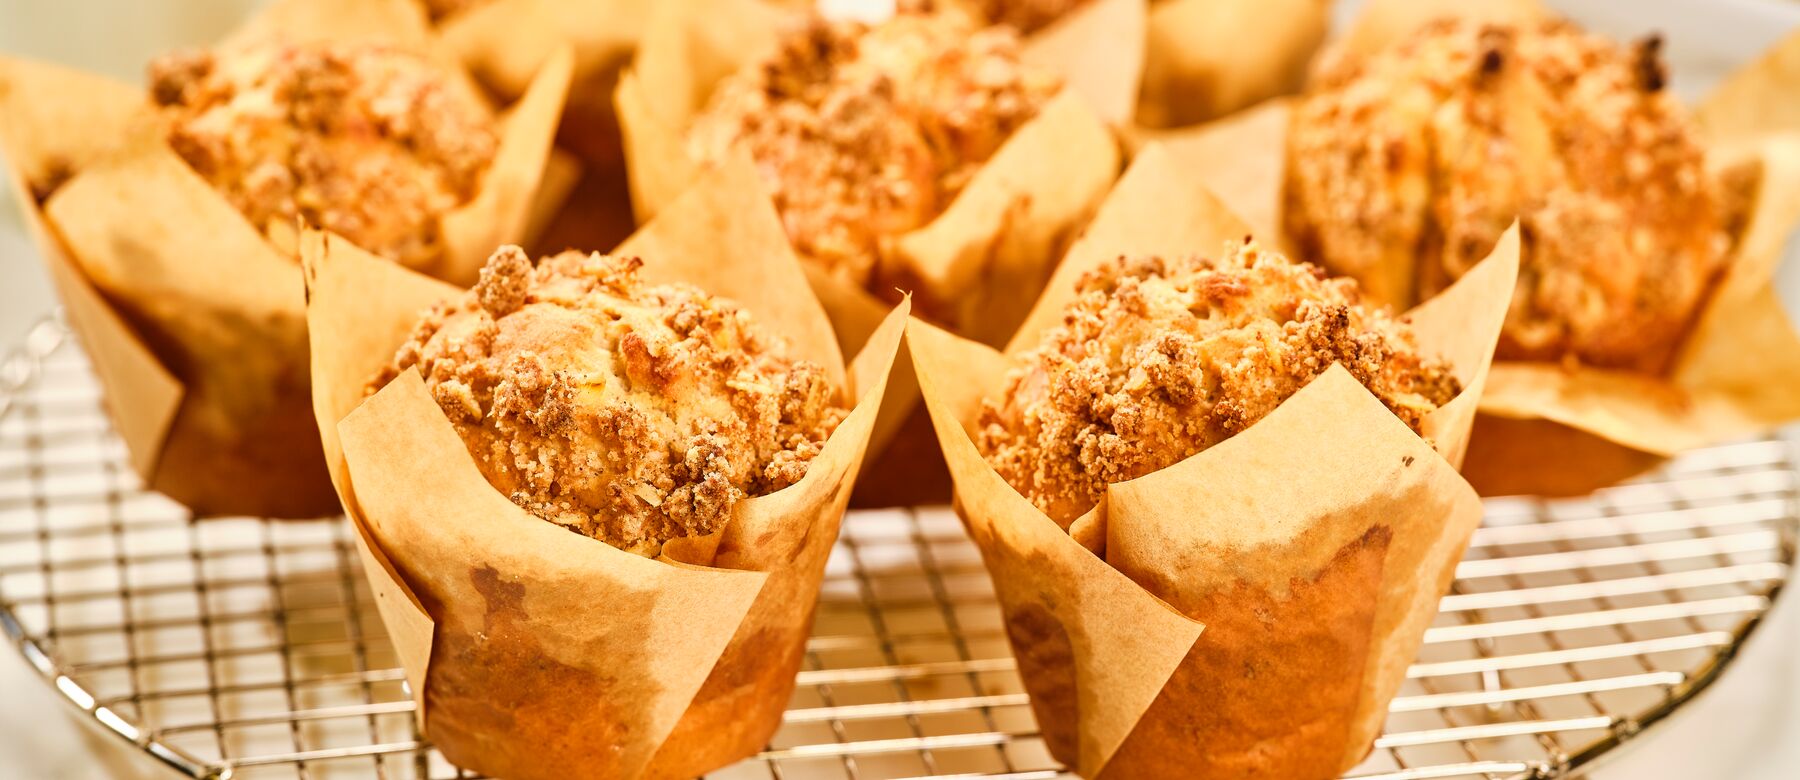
1158, 358
1405, 168
366, 141
866, 132
628, 412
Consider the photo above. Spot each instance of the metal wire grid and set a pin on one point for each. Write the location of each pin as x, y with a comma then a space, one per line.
245, 647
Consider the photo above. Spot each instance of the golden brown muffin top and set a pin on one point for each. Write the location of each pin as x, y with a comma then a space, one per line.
366, 141
866, 132
1405, 168
1159, 358
628, 412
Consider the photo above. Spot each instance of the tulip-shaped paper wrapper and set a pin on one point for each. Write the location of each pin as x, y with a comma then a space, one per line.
1249, 611
534, 652
1555, 429
978, 264
194, 320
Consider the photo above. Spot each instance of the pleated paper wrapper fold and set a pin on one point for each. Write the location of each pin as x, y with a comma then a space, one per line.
982, 260
1554, 429
1248, 611
534, 652
195, 322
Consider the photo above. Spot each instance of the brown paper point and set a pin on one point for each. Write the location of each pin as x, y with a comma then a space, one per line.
1242, 158
502, 211
615, 644
1099, 50
1462, 325
758, 268
976, 264
1154, 209
505, 43
55, 121
359, 307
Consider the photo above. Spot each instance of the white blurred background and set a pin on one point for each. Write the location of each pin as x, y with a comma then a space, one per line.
1747, 726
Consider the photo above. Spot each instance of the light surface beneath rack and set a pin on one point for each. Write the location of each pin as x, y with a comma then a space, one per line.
250, 647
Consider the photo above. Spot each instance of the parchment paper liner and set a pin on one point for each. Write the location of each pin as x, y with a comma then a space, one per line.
1549, 429
538, 653
1312, 547
1001, 234
1209, 58
981, 261
193, 319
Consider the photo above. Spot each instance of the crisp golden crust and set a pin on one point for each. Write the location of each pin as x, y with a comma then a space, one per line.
366, 141
627, 412
868, 132
1405, 168
1157, 359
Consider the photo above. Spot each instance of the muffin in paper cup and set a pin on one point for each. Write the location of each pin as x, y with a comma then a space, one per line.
504, 43
1564, 421
1250, 610
973, 260
193, 315
535, 652
971, 257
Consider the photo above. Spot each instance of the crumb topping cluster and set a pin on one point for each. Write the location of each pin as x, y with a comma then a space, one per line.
367, 141
865, 132
1157, 359
1405, 168
628, 412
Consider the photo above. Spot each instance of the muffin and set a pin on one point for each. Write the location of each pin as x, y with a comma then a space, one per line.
365, 140
863, 133
1405, 167
1159, 358
628, 412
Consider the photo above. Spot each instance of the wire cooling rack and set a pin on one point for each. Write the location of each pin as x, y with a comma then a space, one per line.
251, 648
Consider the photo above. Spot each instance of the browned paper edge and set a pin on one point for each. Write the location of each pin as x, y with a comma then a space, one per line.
50, 118
562, 173
760, 271
336, 272
1462, 325
502, 210
1272, 511
1155, 208
1108, 694
419, 475
505, 43
983, 258
1241, 158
